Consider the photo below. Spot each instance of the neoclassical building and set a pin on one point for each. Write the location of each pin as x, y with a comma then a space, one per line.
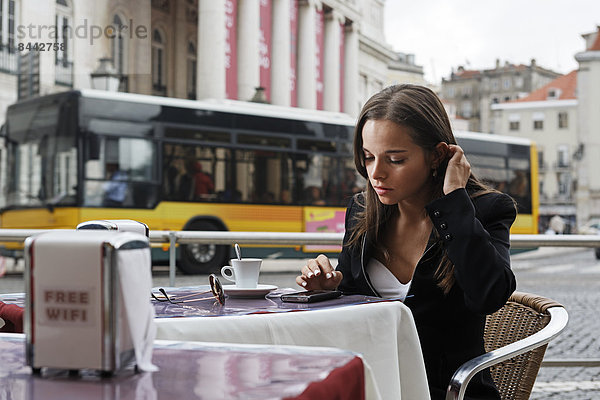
316, 54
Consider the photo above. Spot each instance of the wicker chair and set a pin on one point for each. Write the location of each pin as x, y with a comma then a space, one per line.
516, 337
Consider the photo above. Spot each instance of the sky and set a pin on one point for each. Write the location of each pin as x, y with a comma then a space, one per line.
444, 34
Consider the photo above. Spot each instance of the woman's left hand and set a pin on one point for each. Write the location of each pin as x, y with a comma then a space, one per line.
458, 170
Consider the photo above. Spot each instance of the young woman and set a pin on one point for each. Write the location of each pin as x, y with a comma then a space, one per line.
425, 230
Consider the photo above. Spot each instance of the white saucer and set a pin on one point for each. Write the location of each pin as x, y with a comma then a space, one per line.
257, 292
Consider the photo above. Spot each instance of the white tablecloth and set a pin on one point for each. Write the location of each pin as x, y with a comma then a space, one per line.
384, 333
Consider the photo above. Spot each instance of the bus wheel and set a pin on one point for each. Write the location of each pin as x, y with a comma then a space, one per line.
597, 250
202, 258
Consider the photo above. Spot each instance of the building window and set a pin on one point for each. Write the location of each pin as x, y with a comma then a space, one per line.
506, 83
514, 121
7, 25
563, 120
191, 71
466, 109
159, 87
64, 33
450, 92
553, 94
564, 184
8, 18
119, 47
563, 156
538, 120
495, 85
364, 83
519, 82
541, 162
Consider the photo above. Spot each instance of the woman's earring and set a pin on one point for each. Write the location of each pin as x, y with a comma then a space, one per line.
434, 173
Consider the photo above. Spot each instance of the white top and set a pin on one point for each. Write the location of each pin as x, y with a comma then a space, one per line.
386, 284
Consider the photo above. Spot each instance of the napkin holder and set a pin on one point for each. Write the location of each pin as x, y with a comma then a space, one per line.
120, 225
75, 314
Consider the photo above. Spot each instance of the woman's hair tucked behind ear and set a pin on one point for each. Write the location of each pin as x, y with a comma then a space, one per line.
419, 109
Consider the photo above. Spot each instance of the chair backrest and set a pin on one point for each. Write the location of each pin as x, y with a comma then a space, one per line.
523, 315
12, 315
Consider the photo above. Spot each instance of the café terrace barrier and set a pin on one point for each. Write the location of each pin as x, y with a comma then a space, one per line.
308, 238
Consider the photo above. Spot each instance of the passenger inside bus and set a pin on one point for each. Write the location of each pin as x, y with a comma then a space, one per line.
286, 197
115, 189
314, 196
203, 183
179, 182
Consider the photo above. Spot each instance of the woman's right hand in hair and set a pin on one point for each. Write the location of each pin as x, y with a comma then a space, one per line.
319, 274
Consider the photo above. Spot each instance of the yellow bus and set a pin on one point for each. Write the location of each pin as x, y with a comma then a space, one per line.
508, 164
179, 164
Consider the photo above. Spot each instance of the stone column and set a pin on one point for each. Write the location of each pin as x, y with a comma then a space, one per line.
331, 79
351, 77
306, 72
248, 53
178, 72
281, 52
210, 81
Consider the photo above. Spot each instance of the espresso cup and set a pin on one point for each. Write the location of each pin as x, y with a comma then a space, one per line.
244, 272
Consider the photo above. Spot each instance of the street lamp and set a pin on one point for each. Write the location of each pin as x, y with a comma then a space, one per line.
105, 77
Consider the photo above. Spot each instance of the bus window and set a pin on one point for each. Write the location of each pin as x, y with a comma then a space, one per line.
197, 173
519, 189
326, 180
41, 158
264, 176
261, 140
197, 134
178, 170
495, 177
122, 175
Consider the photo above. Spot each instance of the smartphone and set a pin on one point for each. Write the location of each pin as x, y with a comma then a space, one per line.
310, 296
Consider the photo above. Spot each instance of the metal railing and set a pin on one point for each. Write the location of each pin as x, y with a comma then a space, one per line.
517, 241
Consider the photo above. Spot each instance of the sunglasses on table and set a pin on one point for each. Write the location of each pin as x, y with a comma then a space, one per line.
215, 288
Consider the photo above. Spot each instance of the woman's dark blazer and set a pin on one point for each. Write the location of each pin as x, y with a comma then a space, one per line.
475, 234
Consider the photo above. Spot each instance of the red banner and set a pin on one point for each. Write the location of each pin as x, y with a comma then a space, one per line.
342, 32
319, 36
265, 46
231, 83
294, 49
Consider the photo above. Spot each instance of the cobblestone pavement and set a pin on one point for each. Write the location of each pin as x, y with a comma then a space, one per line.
571, 277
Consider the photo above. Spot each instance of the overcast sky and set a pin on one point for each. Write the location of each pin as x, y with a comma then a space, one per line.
443, 34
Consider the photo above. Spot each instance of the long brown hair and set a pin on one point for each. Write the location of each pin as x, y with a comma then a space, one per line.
419, 109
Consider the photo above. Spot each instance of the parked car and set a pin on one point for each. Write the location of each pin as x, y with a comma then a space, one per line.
592, 227
589, 228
